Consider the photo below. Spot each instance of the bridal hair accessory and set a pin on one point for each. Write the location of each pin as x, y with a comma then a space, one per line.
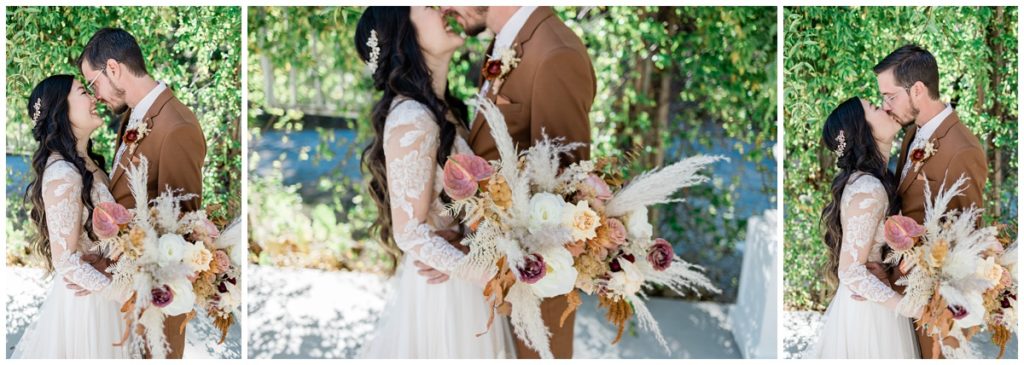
842, 144
37, 106
374, 51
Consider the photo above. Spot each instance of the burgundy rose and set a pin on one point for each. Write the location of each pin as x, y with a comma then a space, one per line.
616, 267
224, 288
533, 269
131, 136
959, 312
660, 254
917, 154
1005, 303
492, 69
162, 296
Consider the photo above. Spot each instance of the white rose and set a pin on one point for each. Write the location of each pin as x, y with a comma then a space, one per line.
545, 210
184, 299
580, 220
638, 227
627, 281
561, 275
171, 249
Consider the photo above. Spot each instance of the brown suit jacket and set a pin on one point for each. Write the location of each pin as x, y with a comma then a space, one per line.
175, 148
958, 152
550, 91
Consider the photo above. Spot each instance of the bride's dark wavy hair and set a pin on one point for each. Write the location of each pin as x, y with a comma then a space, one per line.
401, 71
54, 134
859, 155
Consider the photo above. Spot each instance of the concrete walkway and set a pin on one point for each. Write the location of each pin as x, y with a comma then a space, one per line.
800, 329
26, 290
301, 313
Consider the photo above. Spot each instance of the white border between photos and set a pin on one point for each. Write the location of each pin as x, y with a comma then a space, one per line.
245, 4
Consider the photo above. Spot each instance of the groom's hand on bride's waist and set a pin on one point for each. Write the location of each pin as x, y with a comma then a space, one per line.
99, 262
879, 271
433, 275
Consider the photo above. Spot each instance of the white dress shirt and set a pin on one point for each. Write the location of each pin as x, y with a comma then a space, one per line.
138, 114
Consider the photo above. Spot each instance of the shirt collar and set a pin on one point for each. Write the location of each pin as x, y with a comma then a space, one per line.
508, 33
142, 108
933, 124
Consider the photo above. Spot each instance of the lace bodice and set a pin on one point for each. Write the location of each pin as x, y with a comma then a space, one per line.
66, 216
411, 139
862, 211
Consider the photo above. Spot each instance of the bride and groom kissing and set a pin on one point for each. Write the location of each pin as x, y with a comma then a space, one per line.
539, 75
865, 318
79, 318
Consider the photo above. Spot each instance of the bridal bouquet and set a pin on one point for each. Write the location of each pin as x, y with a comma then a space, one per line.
166, 263
962, 277
540, 231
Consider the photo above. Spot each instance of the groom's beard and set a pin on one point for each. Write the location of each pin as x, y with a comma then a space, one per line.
122, 106
475, 29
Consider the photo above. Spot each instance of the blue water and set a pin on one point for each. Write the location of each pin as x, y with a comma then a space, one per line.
288, 146
18, 175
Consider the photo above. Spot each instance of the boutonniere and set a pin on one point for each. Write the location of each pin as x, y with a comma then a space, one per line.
496, 70
133, 134
919, 155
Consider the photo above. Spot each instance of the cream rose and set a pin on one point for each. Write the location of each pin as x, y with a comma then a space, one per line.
197, 257
581, 221
545, 210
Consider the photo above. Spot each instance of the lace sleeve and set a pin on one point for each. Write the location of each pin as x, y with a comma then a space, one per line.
863, 207
62, 202
410, 149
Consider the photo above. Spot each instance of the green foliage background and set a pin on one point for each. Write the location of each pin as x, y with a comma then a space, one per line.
829, 55
196, 50
671, 81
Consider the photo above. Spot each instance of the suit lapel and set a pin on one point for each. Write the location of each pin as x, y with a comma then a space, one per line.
538, 16
947, 124
128, 155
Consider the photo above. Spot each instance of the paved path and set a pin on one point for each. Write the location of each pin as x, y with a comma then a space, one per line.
301, 313
799, 330
26, 290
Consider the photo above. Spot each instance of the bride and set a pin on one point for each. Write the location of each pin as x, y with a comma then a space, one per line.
68, 181
418, 124
862, 319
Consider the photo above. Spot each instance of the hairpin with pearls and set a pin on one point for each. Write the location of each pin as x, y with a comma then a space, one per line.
374, 51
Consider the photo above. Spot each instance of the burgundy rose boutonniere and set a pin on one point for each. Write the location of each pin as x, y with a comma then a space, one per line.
496, 70
919, 155
134, 134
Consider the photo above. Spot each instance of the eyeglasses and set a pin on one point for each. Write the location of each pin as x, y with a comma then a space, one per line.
887, 99
88, 86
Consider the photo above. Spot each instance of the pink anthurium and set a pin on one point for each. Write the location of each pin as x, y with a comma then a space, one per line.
108, 218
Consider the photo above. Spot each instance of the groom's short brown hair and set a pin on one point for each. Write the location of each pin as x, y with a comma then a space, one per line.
116, 44
911, 64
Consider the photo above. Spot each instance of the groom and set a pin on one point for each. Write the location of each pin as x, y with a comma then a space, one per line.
549, 91
937, 149
174, 144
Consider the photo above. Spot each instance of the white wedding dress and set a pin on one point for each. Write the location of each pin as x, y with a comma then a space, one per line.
69, 326
870, 329
424, 320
